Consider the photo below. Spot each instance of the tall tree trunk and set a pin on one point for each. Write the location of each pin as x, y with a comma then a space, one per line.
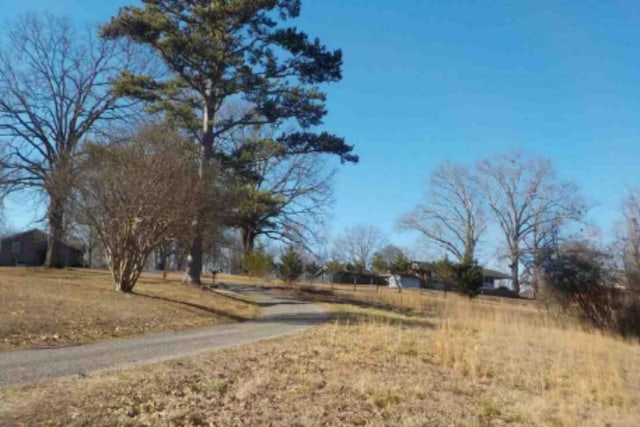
248, 240
536, 272
194, 261
515, 272
194, 264
54, 258
126, 270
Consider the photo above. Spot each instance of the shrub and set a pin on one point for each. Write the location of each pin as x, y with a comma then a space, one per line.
466, 277
379, 264
400, 264
258, 263
135, 193
291, 266
312, 270
628, 321
579, 277
469, 277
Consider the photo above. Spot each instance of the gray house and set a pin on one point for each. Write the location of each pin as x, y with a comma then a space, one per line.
493, 279
29, 248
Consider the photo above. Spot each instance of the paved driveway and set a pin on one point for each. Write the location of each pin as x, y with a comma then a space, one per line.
281, 315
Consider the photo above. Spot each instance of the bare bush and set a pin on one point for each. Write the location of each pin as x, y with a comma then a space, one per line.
136, 193
581, 278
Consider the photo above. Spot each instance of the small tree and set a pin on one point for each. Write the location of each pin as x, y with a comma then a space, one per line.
466, 276
469, 277
355, 267
291, 266
379, 264
313, 270
401, 264
334, 267
258, 263
445, 270
135, 193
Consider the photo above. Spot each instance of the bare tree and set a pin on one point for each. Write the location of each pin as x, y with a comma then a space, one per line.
55, 89
358, 244
629, 239
453, 217
136, 194
281, 196
528, 201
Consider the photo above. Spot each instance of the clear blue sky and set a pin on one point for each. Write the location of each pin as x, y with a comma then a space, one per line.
433, 81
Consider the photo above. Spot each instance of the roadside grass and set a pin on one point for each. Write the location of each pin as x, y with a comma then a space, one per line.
42, 308
446, 361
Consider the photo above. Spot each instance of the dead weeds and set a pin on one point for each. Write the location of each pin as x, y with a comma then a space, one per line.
457, 362
42, 308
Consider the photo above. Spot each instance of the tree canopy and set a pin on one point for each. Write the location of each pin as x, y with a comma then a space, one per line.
218, 52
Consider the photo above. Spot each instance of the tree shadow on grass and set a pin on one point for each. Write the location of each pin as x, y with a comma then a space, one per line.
344, 319
230, 296
359, 317
387, 314
329, 296
244, 289
220, 313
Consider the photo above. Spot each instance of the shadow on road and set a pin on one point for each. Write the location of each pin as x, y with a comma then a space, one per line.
295, 319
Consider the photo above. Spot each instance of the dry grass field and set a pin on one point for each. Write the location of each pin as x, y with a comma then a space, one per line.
384, 359
47, 308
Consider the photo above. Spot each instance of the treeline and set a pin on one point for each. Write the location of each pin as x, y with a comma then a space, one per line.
174, 121
546, 235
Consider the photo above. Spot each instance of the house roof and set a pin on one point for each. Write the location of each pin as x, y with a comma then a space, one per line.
423, 264
38, 234
495, 274
72, 242
486, 272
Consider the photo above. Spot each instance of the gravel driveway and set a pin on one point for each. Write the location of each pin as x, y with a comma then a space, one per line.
281, 315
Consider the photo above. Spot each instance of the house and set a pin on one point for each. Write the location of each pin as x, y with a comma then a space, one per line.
29, 248
493, 282
404, 281
363, 278
493, 279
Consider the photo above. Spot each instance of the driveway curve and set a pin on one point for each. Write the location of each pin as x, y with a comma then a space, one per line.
281, 315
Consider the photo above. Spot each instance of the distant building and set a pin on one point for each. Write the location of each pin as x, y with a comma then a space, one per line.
363, 278
29, 248
493, 282
404, 281
493, 279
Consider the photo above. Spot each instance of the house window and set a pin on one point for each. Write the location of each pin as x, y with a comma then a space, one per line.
15, 247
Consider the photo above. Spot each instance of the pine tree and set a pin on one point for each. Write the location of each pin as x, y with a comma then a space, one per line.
291, 266
401, 264
222, 51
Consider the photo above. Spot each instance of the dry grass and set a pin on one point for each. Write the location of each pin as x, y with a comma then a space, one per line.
45, 308
457, 362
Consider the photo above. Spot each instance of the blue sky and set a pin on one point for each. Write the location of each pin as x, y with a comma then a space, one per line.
433, 81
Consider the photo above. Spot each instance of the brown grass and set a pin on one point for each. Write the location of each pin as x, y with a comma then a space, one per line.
48, 308
424, 360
